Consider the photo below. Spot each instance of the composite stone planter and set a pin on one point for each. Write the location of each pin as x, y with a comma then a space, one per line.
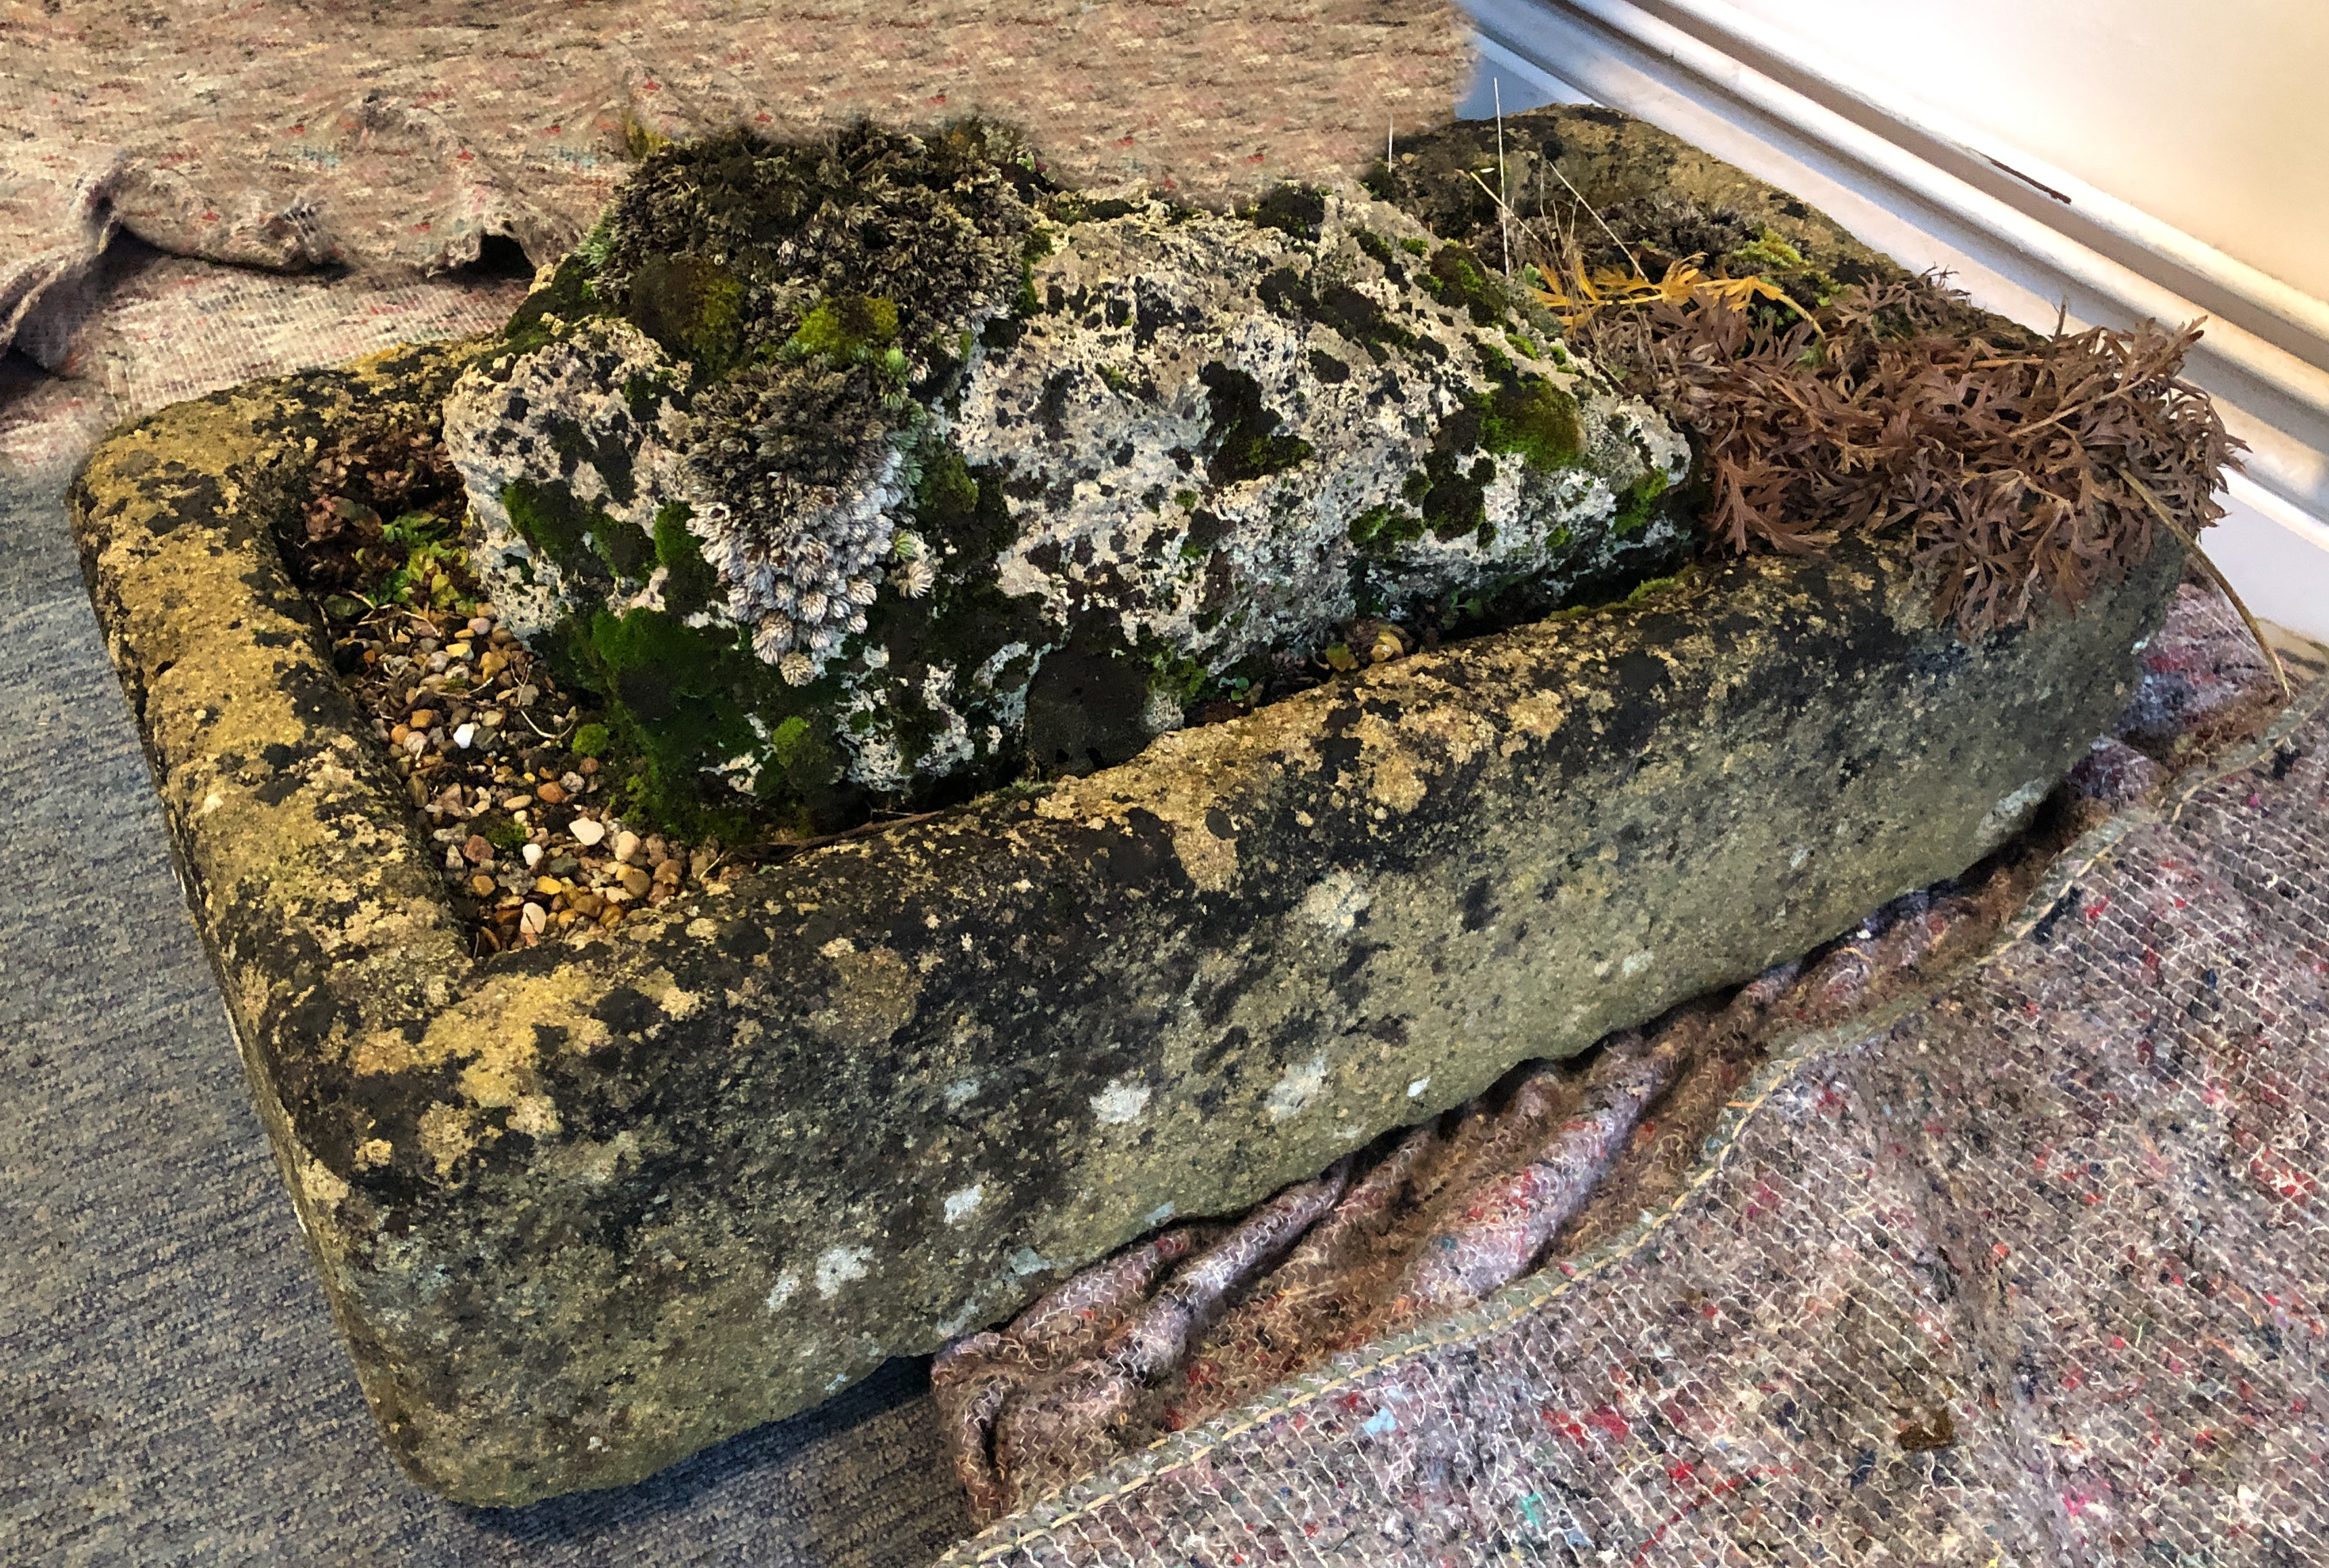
582, 1210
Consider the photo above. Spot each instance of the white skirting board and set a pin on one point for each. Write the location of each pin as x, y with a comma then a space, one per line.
2025, 239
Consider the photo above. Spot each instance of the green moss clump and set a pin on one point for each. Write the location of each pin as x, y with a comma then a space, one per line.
568, 296
1381, 529
1535, 420
548, 518
1458, 277
853, 327
689, 583
1295, 210
589, 741
1635, 505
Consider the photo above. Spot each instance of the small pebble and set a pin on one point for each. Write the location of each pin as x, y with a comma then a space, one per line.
532, 919
482, 886
464, 735
627, 844
532, 853
422, 718
635, 880
571, 783
478, 851
480, 627
551, 792
517, 802
586, 832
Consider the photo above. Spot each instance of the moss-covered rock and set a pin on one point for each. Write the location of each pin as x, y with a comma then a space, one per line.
848, 442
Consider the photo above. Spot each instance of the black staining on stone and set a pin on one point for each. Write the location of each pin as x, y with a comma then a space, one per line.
625, 1012
744, 940
1218, 824
1084, 706
2284, 758
1050, 409
1327, 368
1479, 906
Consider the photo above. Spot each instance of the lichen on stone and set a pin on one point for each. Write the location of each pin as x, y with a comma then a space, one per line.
878, 463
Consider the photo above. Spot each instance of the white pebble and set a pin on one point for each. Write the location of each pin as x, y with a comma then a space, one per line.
533, 917
627, 844
587, 832
532, 853
464, 735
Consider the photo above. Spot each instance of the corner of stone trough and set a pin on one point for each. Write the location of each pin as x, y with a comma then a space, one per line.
582, 1211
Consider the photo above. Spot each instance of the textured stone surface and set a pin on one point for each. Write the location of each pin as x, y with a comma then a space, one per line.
583, 1212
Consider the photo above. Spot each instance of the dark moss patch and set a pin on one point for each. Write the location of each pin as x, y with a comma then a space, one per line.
1244, 436
693, 307
1458, 277
1291, 208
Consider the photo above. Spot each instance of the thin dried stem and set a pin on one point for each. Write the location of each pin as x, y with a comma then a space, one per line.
2223, 584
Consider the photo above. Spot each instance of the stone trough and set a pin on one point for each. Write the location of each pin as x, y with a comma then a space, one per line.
582, 1211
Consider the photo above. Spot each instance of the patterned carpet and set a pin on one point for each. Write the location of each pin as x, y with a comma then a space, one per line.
2030, 1270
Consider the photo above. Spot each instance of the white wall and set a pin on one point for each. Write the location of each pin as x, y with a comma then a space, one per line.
2213, 118
2172, 161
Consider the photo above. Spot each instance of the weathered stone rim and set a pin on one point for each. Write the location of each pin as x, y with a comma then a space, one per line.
491, 1155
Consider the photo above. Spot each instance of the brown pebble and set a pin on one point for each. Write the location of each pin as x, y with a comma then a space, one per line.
589, 766
670, 871
553, 793
399, 736
482, 886
477, 851
422, 718
635, 880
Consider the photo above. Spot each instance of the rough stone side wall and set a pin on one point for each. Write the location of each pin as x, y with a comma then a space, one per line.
584, 1213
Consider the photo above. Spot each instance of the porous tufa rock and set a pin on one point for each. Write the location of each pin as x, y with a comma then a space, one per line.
890, 434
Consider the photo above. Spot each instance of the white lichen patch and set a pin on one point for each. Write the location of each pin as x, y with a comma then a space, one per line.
837, 1266
963, 1202
1336, 903
1296, 1088
1119, 1102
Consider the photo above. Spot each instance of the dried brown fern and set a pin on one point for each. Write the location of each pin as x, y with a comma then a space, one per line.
2023, 469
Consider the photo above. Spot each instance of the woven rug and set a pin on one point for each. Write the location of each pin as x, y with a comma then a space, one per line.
279, 132
2025, 1269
